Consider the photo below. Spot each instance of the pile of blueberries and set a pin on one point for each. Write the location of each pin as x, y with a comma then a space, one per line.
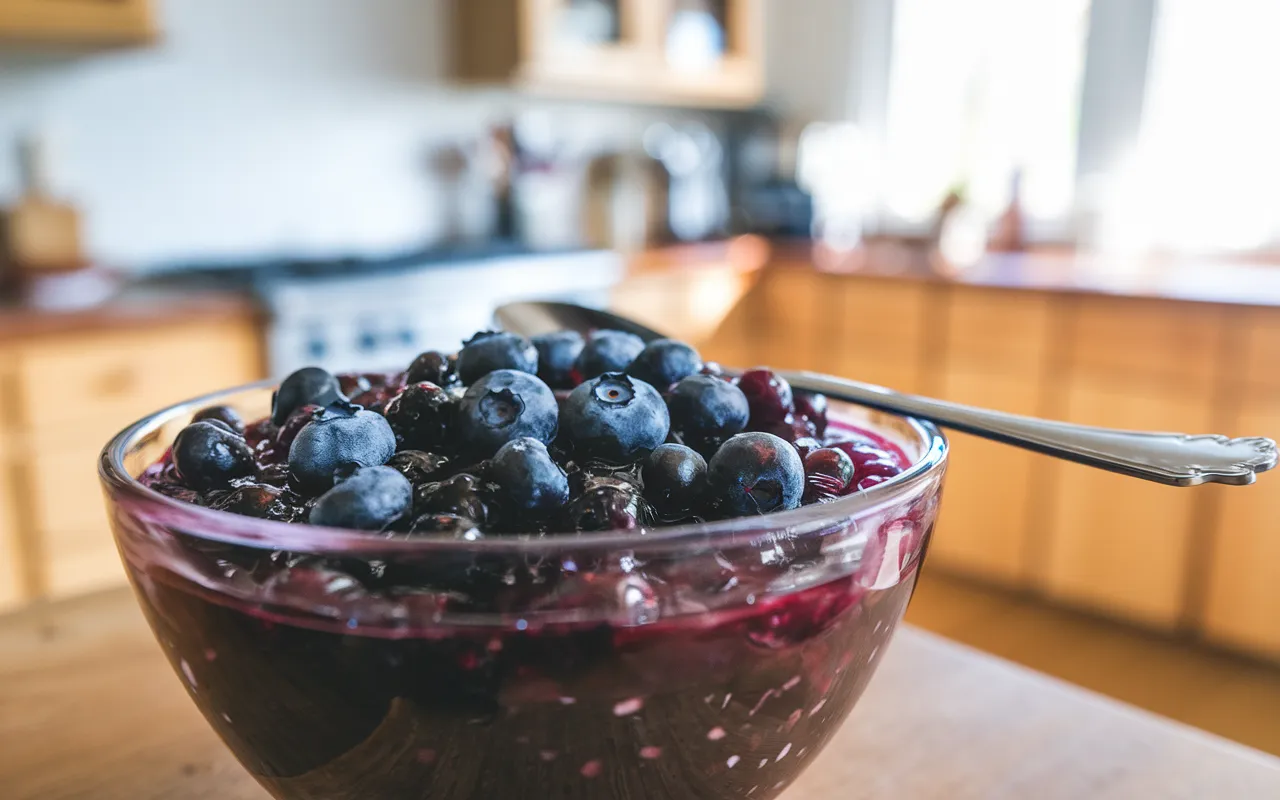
514, 436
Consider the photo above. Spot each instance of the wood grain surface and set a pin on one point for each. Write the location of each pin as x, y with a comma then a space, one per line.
90, 710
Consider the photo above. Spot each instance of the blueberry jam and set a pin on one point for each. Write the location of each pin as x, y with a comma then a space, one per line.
599, 428
479, 644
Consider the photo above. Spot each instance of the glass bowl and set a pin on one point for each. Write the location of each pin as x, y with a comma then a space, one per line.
710, 661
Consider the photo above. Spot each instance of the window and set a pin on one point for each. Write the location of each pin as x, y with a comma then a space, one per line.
980, 91
1204, 173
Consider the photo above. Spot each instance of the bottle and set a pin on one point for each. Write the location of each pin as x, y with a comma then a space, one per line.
1009, 233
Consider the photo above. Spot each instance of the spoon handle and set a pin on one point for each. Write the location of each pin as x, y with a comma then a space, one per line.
1173, 459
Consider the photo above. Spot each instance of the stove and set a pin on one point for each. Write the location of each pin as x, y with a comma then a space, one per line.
370, 317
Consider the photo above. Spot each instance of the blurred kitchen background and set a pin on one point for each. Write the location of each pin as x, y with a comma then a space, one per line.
1068, 208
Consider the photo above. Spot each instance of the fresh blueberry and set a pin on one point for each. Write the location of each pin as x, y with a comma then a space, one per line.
812, 407
674, 479
340, 436
607, 351
421, 416
417, 466
557, 353
615, 419
308, 386
504, 406
664, 362
528, 477
827, 474
462, 495
489, 351
607, 504
756, 473
768, 395
371, 499
225, 414
431, 367
209, 456
706, 411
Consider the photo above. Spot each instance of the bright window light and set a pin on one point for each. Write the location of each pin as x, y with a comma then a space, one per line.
979, 89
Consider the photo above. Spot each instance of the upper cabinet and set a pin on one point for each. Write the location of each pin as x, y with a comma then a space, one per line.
77, 23
679, 52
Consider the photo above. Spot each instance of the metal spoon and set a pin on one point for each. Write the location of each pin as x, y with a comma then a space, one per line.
1173, 459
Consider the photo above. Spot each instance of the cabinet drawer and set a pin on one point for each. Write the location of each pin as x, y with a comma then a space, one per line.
77, 551
1119, 545
8, 392
11, 559
1000, 329
1260, 343
1115, 337
791, 296
986, 521
888, 315
1243, 596
119, 376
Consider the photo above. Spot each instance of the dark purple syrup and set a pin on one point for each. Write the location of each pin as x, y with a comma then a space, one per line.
730, 704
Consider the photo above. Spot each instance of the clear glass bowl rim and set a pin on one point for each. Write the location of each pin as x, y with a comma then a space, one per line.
226, 527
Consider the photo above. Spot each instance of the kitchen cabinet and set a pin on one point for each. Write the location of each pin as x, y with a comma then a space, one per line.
11, 577
50, 435
1199, 560
689, 292
87, 23
1242, 594
785, 321
1115, 545
878, 331
995, 350
694, 52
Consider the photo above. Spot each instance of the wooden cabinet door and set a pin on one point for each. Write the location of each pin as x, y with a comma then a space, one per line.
783, 320
123, 374
987, 518
11, 563
88, 22
1118, 545
1242, 599
996, 354
873, 330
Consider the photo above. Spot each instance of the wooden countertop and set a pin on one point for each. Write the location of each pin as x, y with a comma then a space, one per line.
1057, 270
134, 307
90, 709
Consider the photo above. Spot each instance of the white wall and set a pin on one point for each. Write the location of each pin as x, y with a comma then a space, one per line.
257, 127
829, 59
